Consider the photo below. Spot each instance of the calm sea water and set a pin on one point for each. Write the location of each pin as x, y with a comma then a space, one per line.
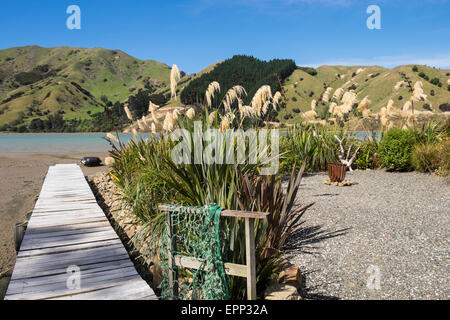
55, 143
70, 143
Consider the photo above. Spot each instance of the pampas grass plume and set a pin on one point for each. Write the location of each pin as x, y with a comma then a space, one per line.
190, 113
109, 161
112, 137
175, 76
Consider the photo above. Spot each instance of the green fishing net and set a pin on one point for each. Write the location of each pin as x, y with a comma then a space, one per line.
196, 232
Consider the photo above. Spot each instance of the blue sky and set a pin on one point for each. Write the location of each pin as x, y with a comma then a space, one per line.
194, 34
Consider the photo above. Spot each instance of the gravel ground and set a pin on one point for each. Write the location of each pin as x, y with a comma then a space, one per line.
395, 225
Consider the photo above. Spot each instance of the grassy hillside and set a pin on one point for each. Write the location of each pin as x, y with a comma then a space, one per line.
375, 82
40, 81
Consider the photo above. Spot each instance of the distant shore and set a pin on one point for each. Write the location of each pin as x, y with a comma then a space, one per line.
22, 176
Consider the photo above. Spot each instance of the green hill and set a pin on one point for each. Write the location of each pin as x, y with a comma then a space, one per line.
377, 83
39, 81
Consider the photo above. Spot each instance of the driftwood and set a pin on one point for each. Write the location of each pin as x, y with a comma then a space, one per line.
348, 162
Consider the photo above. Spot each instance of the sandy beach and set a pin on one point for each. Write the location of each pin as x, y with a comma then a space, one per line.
21, 181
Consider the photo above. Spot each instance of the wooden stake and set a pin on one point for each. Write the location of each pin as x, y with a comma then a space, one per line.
250, 258
171, 247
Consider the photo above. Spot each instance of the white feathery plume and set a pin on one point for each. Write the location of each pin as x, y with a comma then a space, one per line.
276, 99
212, 117
140, 125
175, 76
310, 114
168, 123
418, 92
338, 93
366, 113
135, 132
232, 95
262, 94
175, 114
348, 100
190, 113
112, 137
363, 104
128, 112
152, 107
211, 91
109, 161
331, 107
398, 85
313, 105
265, 107
326, 95
390, 109
226, 121
154, 118
407, 106
153, 127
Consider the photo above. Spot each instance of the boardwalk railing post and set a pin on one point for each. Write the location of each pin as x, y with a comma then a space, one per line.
250, 258
171, 247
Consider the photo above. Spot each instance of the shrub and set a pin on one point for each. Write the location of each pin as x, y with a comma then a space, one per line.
309, 70
367, 157
415, 69
435, 81
445, 107
396, 147
425, 158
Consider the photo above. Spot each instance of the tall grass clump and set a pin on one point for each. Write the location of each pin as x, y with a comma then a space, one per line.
314, 143
432, 158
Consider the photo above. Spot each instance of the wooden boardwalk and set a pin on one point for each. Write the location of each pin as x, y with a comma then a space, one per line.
67, 231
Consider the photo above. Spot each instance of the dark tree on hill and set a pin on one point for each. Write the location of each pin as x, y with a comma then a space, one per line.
249, 72
138, 103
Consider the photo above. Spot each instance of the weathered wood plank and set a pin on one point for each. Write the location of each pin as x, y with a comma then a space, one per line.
232, 269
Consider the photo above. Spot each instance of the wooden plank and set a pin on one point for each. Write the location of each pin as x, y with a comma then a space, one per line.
231, 269
67, 248
130, 289
68, 228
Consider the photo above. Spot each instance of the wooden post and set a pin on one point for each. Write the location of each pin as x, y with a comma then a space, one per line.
18, 235
250, 258
171, 247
